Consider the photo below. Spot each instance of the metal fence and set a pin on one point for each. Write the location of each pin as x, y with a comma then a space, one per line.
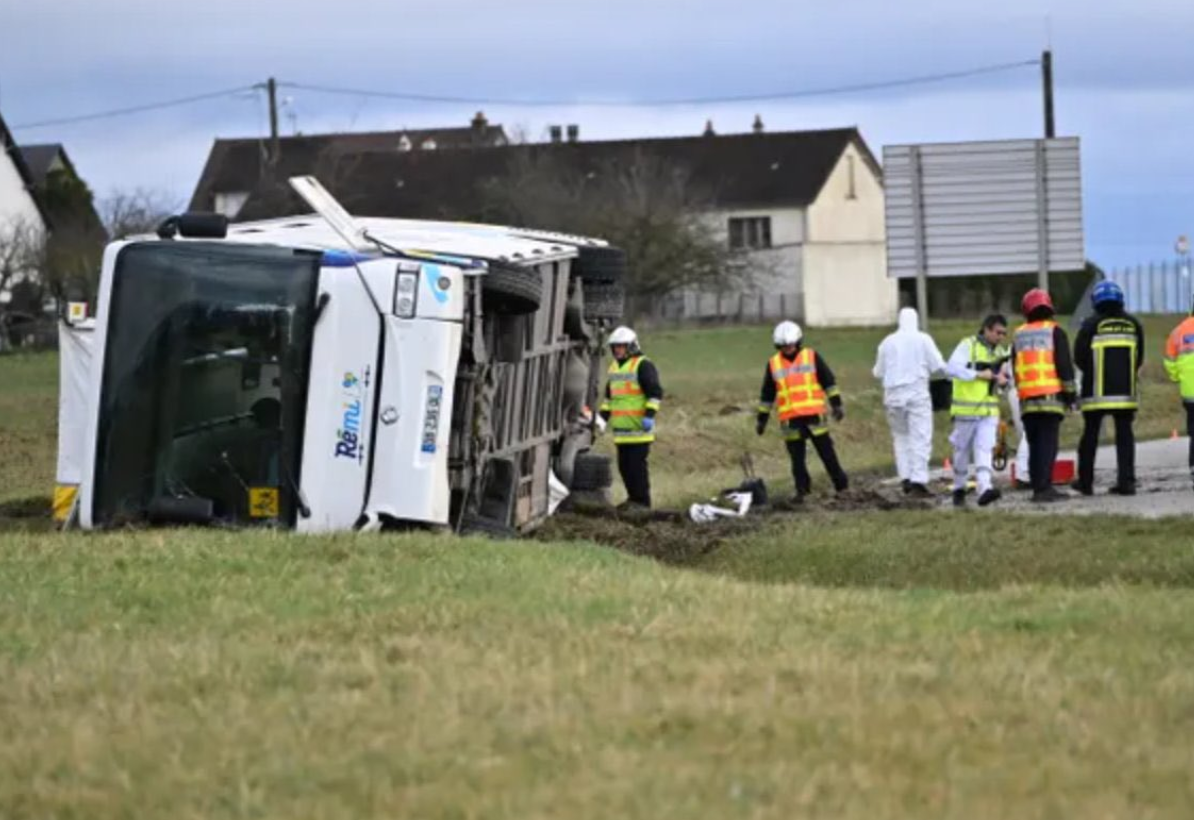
694, 308
1156, 287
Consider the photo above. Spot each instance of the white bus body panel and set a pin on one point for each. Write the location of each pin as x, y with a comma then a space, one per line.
337, 434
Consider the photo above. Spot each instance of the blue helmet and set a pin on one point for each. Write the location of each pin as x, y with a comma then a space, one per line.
1106, 292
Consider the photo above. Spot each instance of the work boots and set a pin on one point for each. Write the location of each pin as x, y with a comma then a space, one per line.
989, 497
960, 498
1049, 495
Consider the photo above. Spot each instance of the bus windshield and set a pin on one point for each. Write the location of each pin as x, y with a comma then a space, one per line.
204, 385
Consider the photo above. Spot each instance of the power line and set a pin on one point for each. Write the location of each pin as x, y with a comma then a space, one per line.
434, 98
779, 95
138, 109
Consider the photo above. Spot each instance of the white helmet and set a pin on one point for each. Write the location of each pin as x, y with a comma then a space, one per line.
623, 336
787, 333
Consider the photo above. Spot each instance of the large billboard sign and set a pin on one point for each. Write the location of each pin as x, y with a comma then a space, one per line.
983, 208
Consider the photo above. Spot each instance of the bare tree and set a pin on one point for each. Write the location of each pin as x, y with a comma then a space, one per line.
645, 204
22, 259
125, 213
22, 254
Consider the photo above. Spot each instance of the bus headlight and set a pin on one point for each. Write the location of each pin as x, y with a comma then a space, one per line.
404, 296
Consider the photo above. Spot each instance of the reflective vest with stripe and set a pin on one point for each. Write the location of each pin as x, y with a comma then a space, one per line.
627, 403
797, 391
1037, 382
1179, 358
1114, 334
976, 399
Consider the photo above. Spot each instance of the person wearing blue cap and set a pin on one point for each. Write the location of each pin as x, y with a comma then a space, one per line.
1109, 350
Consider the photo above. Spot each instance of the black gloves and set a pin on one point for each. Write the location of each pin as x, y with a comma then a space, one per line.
839, 412
761, 423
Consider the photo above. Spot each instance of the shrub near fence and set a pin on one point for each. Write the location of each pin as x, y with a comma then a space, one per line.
25, 332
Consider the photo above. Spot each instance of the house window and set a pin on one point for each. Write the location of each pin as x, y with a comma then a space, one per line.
750, 232
229, 203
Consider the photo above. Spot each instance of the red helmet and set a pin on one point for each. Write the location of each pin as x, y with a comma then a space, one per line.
1035, 298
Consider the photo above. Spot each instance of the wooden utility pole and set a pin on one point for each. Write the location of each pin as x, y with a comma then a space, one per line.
275, 147
1047, 88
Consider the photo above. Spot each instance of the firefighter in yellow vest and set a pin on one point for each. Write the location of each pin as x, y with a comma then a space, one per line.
976, 368
632, 398
1043, 371
800, 387
1179, 366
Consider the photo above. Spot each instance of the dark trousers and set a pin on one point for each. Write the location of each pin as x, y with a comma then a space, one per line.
1125, 446
1190, 432
632, 464
797, 452
1043, 431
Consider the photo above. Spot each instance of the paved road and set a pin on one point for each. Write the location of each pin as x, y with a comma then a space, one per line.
1165, 487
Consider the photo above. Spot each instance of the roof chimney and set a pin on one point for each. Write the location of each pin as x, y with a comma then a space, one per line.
573, 133
479, 122
709, 132
758, 126
557, 133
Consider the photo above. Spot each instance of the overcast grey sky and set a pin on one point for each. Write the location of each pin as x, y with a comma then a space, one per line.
1124, 78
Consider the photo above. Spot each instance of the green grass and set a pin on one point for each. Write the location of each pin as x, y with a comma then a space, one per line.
899, 664
28, 424
214, 675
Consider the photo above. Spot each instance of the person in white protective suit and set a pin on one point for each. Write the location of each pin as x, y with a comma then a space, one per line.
905, 362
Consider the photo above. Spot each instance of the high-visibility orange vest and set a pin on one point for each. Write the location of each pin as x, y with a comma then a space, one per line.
1036, 366
797, 391
1179, 357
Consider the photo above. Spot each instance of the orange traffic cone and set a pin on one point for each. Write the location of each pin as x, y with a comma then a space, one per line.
1174, 433
946, 465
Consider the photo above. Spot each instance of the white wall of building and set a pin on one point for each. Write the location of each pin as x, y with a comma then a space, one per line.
845, 262
775, 285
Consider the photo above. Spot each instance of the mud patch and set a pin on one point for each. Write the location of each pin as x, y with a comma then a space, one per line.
669, 535
865, 499
25, 514
666, 535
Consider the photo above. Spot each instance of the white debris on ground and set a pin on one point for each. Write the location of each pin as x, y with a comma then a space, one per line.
707, 513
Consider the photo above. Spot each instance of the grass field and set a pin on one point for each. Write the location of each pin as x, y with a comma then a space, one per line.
820, 664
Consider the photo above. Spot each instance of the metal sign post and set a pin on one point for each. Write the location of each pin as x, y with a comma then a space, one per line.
1042, 218
918, 231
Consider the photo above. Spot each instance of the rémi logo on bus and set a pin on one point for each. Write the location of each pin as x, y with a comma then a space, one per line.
349, 441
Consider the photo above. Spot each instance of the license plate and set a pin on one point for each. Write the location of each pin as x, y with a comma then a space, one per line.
431, 412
